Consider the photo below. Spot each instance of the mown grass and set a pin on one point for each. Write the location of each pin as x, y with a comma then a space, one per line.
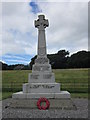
17, 76
71, 75
73, 80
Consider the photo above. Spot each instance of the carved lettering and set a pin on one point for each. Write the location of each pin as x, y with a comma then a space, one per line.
48, 76
34, 76
44, 86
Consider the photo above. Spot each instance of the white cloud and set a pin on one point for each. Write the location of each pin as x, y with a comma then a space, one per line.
15, 0
18, 28
18, 61
2, 61
14, 56
68, 27
0, 18
46, 0
0, 28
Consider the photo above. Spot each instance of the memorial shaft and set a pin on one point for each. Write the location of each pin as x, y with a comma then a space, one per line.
41, 43
41, 24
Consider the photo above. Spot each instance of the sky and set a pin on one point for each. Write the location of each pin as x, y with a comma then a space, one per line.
68, 28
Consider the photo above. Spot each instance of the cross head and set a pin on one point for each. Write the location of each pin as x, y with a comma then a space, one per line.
41, 23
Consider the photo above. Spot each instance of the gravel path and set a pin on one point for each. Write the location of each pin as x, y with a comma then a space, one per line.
81, 112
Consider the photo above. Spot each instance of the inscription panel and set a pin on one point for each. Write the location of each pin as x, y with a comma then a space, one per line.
48, 76
36, 68
43, 86
34, 76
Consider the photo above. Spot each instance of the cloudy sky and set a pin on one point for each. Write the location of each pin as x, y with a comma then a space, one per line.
68, 28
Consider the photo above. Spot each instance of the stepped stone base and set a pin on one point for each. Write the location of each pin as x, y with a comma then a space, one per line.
41, 82
61, 95
66, 104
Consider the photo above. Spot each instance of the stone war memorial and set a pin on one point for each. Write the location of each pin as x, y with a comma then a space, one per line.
41, 82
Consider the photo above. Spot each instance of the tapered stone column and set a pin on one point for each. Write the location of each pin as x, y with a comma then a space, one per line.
42, 62
41, 24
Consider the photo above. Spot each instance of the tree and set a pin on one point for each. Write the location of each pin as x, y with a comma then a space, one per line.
3, 66
79, 60
32, 61
59, 60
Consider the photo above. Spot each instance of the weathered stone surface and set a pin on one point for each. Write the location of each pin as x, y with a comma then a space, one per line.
41, 77
19, 95
42, 51
41, 24
59, 95
42, 60
33, 76
28, 109
32, 104
41, 88
44, 67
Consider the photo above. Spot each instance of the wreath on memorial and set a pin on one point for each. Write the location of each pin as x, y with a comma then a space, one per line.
43, 107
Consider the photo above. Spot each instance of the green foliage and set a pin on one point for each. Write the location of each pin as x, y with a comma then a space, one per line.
15, 76
79, 95
79, 60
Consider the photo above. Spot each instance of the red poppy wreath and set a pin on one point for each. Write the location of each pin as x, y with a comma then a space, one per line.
43, 107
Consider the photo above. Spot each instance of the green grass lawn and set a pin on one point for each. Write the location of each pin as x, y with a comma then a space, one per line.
73, 80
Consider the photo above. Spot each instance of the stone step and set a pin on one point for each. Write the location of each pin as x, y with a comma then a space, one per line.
59, 95
41, 88
66, 104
